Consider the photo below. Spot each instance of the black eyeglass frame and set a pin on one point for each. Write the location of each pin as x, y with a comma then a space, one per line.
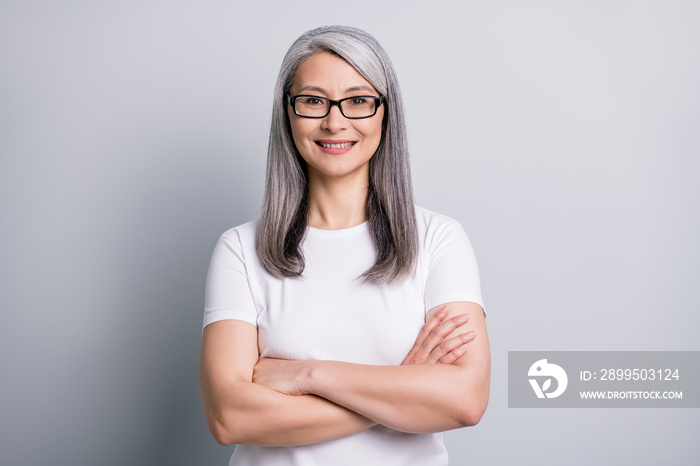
378, 101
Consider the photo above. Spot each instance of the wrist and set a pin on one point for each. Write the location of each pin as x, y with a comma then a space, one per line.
309, 374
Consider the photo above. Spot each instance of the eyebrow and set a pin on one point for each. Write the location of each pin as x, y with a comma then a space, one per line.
349, 89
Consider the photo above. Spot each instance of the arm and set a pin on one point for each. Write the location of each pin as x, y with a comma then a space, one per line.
238, 411
409, 398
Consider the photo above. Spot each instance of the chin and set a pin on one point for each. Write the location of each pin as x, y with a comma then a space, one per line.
337, 172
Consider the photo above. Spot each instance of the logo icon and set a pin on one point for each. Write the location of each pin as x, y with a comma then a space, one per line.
547, 371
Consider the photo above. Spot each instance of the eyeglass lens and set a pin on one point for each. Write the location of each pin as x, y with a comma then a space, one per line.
352, 107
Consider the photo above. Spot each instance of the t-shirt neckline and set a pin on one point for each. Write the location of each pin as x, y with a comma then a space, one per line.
345, 232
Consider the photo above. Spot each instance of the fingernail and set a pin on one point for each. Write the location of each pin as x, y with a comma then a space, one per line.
468, 336
443, 311
463, 317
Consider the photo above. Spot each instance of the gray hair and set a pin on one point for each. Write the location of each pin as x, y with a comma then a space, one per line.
390, 209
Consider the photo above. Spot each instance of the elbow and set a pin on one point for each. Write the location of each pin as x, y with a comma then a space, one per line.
471, 413
470, 417
222, 434
220, 431
223, 430
227, 435
475, 401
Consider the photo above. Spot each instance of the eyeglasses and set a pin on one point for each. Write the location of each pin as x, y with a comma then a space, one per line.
354, 108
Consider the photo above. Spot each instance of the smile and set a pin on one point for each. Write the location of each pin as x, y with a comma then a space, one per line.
340, 145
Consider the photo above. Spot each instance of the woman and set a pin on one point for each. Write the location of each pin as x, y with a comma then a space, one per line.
345, 326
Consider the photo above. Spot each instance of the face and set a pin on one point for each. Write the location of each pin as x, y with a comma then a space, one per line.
334, 147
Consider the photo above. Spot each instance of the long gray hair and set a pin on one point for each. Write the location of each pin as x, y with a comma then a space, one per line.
390, 210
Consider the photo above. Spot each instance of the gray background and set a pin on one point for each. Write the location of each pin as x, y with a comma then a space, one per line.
563, 135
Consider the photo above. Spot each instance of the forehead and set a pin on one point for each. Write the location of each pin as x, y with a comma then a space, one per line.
330, 74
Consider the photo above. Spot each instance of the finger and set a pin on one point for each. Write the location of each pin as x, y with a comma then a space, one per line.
424, 332
453, 355
438, 335
459, 351
430, 325
449, 346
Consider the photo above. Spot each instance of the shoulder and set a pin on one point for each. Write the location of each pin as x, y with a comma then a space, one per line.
242, 235
440, 235
237, 243
449, 265
428, 216
431, 223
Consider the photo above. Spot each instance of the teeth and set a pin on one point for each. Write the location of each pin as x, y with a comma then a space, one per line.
343, 145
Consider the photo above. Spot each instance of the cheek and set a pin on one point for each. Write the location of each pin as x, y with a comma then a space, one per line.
300, 130
294, 126
373, 131
297, 137
379, 125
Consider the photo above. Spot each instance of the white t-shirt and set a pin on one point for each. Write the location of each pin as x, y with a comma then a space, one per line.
329, 314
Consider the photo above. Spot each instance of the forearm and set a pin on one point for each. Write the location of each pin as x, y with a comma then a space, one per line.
422, 398
414, 398
239, 411
255, 415
417, 396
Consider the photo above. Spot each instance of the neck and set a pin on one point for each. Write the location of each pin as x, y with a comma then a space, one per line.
336, 204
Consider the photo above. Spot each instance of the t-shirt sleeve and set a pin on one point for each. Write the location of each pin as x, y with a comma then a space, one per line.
453, 273
227, 294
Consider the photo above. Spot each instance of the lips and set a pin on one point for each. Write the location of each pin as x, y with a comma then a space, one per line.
336, 144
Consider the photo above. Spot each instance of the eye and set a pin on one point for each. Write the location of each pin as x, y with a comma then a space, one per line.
359, 101
311, 101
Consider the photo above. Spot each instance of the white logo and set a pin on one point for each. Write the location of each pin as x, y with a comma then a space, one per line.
542, 369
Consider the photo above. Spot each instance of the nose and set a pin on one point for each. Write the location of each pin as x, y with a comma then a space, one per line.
334, 121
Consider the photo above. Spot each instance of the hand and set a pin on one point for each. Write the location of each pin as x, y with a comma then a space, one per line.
281, 375
432, 345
